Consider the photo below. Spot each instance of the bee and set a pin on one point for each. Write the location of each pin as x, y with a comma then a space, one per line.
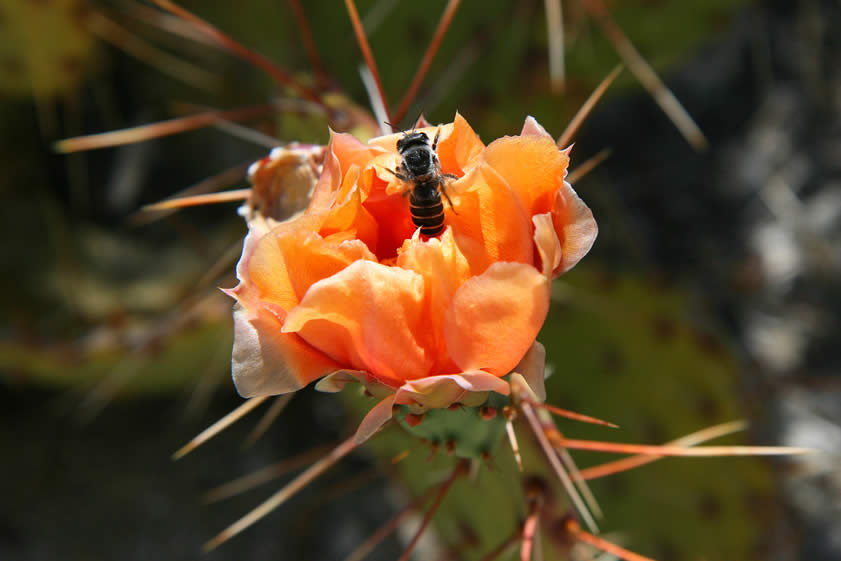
420, 167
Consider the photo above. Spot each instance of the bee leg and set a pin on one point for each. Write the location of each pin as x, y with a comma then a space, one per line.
449, 175
435, 142
446, 196
397, 174
402, 177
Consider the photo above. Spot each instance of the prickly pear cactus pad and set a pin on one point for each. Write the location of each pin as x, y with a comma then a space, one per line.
45, 47
165, 365
624, 348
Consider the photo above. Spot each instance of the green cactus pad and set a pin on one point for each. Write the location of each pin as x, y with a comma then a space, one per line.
472, 435
45, 47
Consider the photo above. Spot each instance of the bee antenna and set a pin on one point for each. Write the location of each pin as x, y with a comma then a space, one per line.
393, 128
420, 116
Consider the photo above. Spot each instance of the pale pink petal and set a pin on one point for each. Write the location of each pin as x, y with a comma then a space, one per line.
337, 381
576, 227
421, 122
437, 392
329, 181
379, 415
532, 128
520, 388
245, 292
533, 370
494, 318
267, 362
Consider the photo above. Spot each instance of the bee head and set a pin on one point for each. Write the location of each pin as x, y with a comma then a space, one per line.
412, 139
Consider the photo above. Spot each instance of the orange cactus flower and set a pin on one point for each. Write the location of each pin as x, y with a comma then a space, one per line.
350, 287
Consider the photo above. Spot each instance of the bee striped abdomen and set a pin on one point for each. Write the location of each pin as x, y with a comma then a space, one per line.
427, 209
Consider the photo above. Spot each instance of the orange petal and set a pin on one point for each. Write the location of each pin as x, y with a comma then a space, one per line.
489, 212
575, 225
290, 258
459, 149
349, 215
368, 317
262, 269
343, 151
494, 318
444, 269
268, 362
394, 223
532, 165
350, 151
